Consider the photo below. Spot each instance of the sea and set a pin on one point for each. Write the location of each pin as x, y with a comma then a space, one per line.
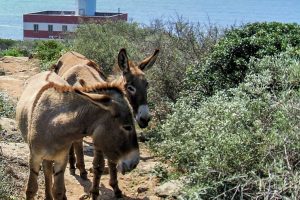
220, 12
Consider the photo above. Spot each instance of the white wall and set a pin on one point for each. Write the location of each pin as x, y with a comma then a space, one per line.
44, 26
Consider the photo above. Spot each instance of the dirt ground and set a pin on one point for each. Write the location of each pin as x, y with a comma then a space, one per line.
138, 184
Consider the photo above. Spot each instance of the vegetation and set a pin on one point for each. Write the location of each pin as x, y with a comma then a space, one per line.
227, 64
238, 138
47, 51
6, 108
226, 103
6, 43
180, 44
6, 184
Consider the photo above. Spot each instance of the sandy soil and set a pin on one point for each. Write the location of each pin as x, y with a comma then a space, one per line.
138, 184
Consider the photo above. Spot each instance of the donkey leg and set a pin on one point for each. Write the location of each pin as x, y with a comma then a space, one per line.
98, 167
72, 160
78, 147
32, 184
113, 181
59, 189
48, 170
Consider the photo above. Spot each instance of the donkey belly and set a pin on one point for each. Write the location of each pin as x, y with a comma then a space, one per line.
50, 150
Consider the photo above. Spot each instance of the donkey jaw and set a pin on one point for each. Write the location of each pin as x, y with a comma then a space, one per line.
129, 162
143, 116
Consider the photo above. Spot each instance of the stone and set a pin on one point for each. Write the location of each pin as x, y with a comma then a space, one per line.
169, 189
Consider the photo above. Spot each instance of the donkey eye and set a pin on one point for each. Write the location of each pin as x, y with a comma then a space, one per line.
131, 89
127, 127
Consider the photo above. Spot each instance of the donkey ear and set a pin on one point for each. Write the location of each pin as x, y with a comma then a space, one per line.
102, 100
123, 61
149, 62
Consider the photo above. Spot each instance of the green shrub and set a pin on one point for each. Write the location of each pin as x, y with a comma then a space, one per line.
6, 44
180, 44
6, 108
240, 143
16, 52
48, 51
102, 43
227, 65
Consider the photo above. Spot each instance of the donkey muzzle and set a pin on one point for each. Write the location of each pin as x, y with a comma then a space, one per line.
129, 162
143, 116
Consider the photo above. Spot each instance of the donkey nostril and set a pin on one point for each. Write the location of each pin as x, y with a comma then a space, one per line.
145, 120
127, 127
133, 166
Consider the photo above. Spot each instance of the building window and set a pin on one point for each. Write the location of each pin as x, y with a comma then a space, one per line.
50, 28
81, 12
35, 27
64, 28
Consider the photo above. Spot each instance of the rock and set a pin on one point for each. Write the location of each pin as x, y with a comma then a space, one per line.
169, 189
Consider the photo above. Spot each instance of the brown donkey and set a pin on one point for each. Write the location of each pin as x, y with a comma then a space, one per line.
51, 115
74, 68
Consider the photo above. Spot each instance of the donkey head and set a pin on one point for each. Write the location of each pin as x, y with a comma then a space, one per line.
114, 132
136, 86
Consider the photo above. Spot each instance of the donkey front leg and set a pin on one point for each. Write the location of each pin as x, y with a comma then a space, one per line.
32, 184
98, 167
78, 147
59, 189
72, 160
48, 171
113, 181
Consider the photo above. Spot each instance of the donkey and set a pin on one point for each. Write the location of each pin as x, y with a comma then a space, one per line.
72, 65
51, 115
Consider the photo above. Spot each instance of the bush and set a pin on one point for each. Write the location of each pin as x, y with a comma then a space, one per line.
6, 44
241, 143
6, 108
48, 51
16, 52
180, 44
102, 43
227, 66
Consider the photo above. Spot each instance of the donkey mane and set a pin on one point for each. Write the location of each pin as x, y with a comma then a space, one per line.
117, 85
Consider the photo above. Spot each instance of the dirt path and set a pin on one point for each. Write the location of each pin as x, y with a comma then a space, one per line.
138, 184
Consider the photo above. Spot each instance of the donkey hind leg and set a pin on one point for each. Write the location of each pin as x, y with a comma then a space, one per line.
59, 189
113, 181
32, 184
98, 167
48, 172
72, 160
78, 147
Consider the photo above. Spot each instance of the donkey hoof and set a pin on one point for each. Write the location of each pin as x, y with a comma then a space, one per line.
72, 172
83, 175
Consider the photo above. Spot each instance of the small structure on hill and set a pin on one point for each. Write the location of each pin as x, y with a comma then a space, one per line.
55, 24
